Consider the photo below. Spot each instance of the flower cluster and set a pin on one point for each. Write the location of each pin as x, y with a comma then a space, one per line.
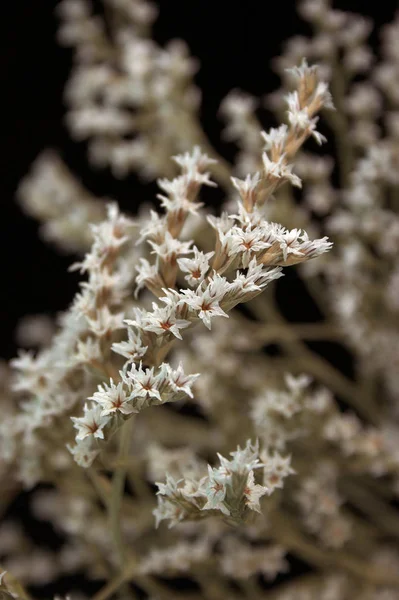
230, 489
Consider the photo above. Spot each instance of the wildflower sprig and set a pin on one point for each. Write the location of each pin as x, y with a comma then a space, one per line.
229, 489
245, 241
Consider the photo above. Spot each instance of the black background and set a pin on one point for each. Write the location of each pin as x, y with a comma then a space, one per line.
234, 41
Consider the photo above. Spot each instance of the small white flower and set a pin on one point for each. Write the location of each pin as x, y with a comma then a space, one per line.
146, 274
247, 188
163, 320
180, 382
153, 228
196, 267
253, 492
145, 384
170, 488
87, 350
280, 170
259, 277
246, 242
194, 161
298, 384
113, 398
276, 469
206, 302
133, 349
300, 118
275, 139
168, 510
83, 453
244, 459
303, 71
91, 424
215, 491
221, 224
169, 248
104, 321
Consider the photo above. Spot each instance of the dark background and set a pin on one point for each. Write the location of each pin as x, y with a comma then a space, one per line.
234, 41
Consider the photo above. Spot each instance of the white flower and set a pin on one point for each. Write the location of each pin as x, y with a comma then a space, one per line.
300, 118
314, 248
206, 302
133, 349
193, 162
163, 320
148, 275
276, 468
144, 383
275, 139
179, 381
83, 453
247, 188
244, 459
238, 105
168, 510
153, 228
246, 242
303, 71
87, 350
257, 277
113, 398
253, 492
91, 424
170, 488
179, 203
196, 267
215, 491
104, 321
221, 224
169, 248
280, 170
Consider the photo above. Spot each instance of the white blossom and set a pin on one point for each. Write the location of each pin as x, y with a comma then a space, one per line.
163, 320
253, 492
280, 170
206, 301
132, 349
196, 267
169, 248
215, 491
91, 424
113, 398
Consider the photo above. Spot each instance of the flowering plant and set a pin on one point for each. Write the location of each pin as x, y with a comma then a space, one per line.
151, 427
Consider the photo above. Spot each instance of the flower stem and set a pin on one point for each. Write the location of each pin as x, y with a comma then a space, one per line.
118, 485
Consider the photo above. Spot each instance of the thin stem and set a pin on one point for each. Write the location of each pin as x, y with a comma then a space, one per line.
118, 485
385, 517
286, 531
305, 331
314, 364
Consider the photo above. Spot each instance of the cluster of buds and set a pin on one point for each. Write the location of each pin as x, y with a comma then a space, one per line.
230, 489
245, 242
